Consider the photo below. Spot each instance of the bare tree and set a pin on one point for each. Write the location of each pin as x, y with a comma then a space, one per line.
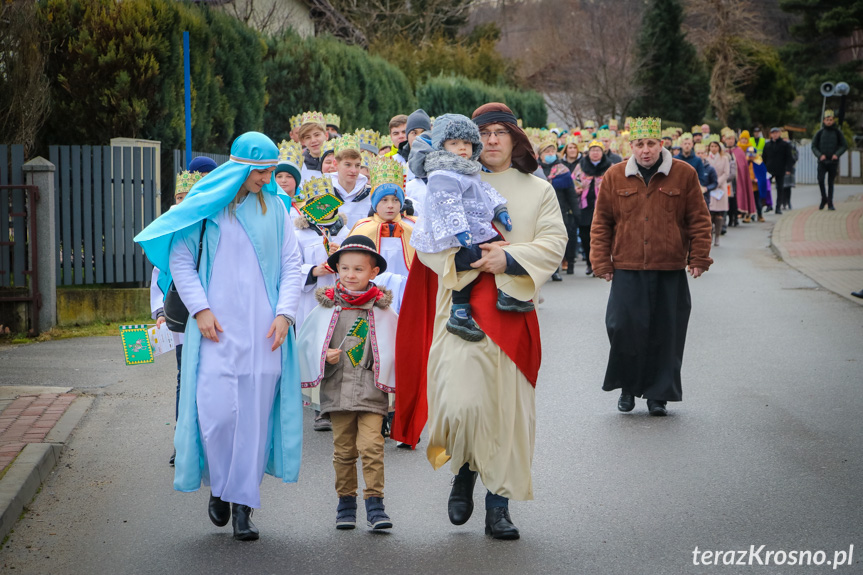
23, 84
266, 16
724, 28
580, 53
418, 20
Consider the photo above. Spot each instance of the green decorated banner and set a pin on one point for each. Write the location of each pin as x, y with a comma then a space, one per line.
136, 344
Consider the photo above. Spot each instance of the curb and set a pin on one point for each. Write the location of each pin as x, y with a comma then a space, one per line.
34, 465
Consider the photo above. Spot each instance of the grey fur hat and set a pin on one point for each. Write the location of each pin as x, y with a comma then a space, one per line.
456, 126
419, 119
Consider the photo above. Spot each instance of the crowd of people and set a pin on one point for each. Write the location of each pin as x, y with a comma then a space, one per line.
389, 283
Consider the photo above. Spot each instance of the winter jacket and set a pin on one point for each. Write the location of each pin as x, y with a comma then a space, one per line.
587, 175
778, 157
829, 141
561, 180
346, 387
661, 226
695, 162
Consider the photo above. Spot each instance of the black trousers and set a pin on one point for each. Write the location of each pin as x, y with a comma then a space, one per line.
584, 234
646, 320
780, 190
827, 168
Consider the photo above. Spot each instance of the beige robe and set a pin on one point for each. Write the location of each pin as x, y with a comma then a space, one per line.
481, 408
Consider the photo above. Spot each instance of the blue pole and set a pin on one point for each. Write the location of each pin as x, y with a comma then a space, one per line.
188, 90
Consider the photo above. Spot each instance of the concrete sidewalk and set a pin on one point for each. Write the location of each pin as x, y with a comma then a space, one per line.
825, 245
35, 424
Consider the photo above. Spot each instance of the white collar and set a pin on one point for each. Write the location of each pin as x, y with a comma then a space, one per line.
358, 187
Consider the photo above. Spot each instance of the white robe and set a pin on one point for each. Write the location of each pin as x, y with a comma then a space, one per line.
313, 253
416, 190
353, 211
237, 376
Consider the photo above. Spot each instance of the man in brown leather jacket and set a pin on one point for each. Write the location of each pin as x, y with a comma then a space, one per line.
650, 224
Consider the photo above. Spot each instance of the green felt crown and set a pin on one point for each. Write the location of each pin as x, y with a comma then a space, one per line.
322, 205
386, 170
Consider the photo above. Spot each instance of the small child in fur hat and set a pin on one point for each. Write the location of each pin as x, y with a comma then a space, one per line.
347, 347
458, 210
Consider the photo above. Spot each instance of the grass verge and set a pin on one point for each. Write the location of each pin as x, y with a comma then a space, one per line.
96, 329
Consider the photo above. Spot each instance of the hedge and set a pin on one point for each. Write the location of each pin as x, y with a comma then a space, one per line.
326, 75
462, 96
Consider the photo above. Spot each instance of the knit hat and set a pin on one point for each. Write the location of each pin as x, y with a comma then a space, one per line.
360, 244
387, 179
202, 164
419, 119
523, 158
456, 127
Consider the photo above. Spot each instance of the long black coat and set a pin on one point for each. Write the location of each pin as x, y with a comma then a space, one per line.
778, 157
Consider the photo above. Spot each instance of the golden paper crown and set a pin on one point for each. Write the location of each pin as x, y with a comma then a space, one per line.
296, 122
547, 141
700, 147
332, 120
386, 170
329, 146
829, 114
641, 128
696, 129
612, 124
368, 137
590, 124
368, 157
685, 136
604, 134
346, 142
185, 181
595, 143
711, 139
290, 151
319, 186
571, 139
385, 142
312, 118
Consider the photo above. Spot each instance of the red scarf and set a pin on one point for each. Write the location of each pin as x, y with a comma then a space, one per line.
353, 298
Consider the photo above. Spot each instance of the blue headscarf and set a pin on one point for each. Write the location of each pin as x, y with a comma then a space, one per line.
213, 193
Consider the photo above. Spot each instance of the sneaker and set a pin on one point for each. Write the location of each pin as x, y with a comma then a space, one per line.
461, 324
322, 423
508, 303
375, 514
346, 512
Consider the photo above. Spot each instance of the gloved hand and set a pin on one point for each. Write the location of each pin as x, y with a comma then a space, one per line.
503, 217
463, 238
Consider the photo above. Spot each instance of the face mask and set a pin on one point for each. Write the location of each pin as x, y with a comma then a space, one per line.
549, 158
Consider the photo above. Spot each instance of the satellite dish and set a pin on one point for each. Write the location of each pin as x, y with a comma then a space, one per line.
827, 89
842, 89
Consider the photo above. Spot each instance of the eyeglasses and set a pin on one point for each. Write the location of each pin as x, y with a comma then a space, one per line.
497, 134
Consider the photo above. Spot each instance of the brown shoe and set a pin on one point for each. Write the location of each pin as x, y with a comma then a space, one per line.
761, 219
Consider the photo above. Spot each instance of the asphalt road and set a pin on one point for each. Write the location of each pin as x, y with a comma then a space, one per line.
764, 450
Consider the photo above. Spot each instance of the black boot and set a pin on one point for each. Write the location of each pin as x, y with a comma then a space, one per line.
244, 529
498, 523
219, 511
570, 267
460, 505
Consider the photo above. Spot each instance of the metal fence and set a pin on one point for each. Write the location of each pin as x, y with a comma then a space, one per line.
104, 197
13, 254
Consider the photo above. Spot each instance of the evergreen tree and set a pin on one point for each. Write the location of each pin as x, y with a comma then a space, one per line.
673, 82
